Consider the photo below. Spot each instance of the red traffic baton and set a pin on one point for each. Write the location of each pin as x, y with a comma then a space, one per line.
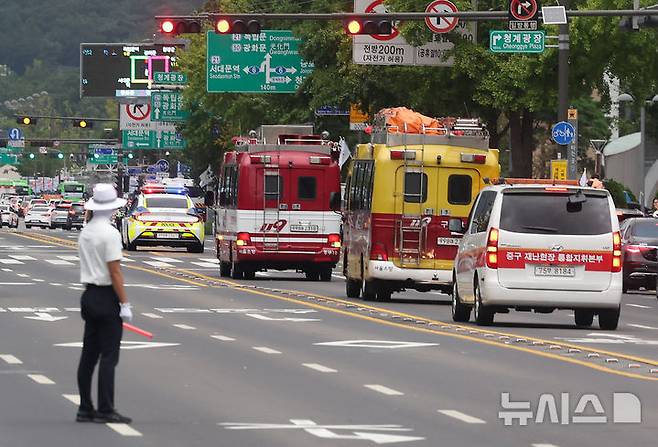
137, 330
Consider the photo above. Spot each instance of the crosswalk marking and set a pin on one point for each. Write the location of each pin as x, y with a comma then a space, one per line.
158, 264
23, 257
384, 390
150, 315
184, 326
211, 260
208, 265
318, 367
58, 262
69, 258
266, 350
41, 379
124, 429
10, 359
11, 261
462, 416
165, 259
73, 398
222, 338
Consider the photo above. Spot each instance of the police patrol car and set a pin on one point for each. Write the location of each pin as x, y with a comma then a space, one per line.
162, 216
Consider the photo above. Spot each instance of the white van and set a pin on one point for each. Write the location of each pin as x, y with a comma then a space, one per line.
539, 247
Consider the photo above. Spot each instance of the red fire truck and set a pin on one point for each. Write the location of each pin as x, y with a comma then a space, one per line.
278, 204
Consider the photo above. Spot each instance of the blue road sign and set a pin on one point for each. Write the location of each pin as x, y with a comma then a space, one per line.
15, 134
162, 165
151, 169
563, 133
135, 170
104, 151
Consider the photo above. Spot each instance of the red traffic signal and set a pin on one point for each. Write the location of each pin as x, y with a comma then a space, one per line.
237, 26
173, 27
367, 26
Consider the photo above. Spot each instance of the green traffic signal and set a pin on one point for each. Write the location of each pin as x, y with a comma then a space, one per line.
31, 156
60, 155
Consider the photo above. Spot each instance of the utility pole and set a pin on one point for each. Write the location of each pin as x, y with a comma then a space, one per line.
563, 78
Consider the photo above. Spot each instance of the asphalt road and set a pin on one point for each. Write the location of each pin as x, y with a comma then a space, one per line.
280, 361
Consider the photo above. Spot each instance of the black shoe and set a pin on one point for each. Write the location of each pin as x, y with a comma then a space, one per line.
85, 416
114, 417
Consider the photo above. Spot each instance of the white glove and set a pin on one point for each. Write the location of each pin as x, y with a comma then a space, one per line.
126, 312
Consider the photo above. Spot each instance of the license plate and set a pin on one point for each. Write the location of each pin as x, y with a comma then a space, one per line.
551, 270
447, 241
167, 235
304, 228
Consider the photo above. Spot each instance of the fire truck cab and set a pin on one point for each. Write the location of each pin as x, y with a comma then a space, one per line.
279, 204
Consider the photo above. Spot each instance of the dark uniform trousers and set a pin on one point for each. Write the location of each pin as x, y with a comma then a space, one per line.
100, 308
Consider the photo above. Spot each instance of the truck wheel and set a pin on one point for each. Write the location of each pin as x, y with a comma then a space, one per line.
583, 317
352, 288
325, 274
199, 248
368, 290
609, 319
249, 274
383, 292
224, 269
131, 246
312, 275
461, 313
236, 272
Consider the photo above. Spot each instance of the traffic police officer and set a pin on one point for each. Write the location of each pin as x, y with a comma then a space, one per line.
103, 305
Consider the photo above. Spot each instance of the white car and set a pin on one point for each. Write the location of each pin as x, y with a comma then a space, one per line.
38, 216
539, 247
8, 217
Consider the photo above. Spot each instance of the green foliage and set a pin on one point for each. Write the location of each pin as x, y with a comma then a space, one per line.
616, 190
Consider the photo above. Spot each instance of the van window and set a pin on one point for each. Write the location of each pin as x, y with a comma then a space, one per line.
482, 212
306, 188
459, 189
273, 188
415, 187
542, 213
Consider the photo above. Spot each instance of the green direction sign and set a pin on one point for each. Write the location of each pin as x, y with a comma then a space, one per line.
167, 106
268, 62
11, 150
169, 78
144, 139
516, 41
8, 159
103, 159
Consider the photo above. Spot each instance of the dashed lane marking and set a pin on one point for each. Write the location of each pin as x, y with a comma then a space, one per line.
544, 445
55, 284
23, 275
7, 270
266, 350
11, 261
69, 258
384, 390
165, 259
38, 280
76, 288
10, 359
124, 429
462, 416
641, 326
158, 264
208, 265
640, 306
41, 379
150, 315
184, 326
16, 283
222, 338
23, 257
58, 262
320, 368
73, 398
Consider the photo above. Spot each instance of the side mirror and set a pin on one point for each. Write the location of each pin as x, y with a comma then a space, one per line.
222, 198
456, 226
209, 199
334, 201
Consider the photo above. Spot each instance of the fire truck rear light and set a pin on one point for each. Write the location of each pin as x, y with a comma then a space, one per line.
378, 252
243, 239
319, 160
334, 240
403, 155
474, 158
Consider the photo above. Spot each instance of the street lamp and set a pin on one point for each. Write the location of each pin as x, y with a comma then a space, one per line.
625, 97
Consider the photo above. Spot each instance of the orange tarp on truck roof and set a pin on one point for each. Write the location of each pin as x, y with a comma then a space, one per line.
403, 120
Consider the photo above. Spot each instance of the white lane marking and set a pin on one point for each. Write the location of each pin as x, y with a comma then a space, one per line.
266, 350
641, 326
638, 306
211, 260
544, 445
10, 359
184, 326
318, 367
69, 258
59, 262
23, 257
76, 288
16, 283
7, 270
384, 390
37, 280
208, 265
125, 259
222, 338
73, 398
462, 417
41, 379
158, 264
165, 259
150, 315
22, 275
55, 284
124, 429
10, 261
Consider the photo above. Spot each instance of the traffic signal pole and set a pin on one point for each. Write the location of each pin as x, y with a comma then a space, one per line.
563, 90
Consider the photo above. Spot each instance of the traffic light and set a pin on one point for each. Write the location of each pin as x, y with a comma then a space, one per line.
83, 124
368, 26
60, 155
130, 155
26, 120
237, 26
173, 27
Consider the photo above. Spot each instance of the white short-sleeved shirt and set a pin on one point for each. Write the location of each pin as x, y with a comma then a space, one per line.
98, 244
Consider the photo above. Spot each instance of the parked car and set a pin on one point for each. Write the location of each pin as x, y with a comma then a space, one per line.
76, 216
639, 238
539, 247
8, 217
59, 217
38, 216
